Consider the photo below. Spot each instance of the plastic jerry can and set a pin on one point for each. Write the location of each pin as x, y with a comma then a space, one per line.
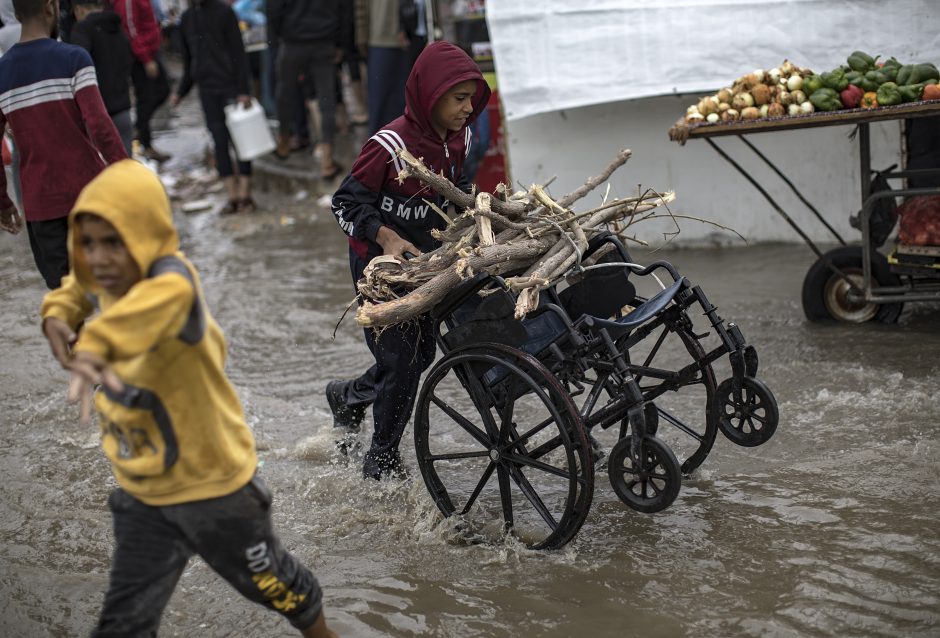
249, 130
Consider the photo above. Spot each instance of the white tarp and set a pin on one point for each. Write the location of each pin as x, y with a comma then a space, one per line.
557, 54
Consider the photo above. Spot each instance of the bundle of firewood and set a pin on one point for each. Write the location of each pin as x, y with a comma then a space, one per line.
527, 234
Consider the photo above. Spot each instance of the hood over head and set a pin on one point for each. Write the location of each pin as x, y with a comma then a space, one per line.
131, 198
440, 66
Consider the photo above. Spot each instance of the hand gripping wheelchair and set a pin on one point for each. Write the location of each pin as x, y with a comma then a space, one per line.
499, 439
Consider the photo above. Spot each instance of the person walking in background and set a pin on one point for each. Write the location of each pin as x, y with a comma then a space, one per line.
413, 21
214, 58
9, 26
310, 34
151, 86
171, 423
381, 35
384, 216
10, 35
49, 96
99, 32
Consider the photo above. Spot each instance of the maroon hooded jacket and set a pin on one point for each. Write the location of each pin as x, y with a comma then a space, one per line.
371, 197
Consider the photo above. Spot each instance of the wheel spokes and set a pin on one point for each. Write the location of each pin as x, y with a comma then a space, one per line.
479, 488
534, 499
462, 421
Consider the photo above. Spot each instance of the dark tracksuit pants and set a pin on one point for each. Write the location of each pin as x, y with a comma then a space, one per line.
149, 94
235, 537
316, 61
213, 109
49, 243
402, 353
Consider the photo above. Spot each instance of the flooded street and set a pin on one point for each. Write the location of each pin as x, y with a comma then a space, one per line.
830, 529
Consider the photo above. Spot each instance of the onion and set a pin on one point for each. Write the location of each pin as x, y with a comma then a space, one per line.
807, 107
725, 95
742, 101
761, 94
798, 96
750, 113
795, 82
794, 109
712, 118
724, 106
774, 75
692, 109
776, 110
706, 106
694, 117
730, 114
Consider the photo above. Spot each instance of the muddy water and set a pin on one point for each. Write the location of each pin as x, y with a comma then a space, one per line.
829, 529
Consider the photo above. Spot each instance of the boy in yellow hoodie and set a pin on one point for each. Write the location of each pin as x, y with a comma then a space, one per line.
171, 423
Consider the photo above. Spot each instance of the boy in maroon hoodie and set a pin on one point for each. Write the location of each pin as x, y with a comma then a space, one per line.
444, 94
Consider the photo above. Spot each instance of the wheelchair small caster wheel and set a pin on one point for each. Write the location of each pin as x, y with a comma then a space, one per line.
749, 416
650, 485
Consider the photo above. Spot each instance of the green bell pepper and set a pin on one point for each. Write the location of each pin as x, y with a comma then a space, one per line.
860, 61
854, 77
917, 73
892, 61
888, 94
910, 92
834, 80
811, 84
877, 77
826, 99
890, 72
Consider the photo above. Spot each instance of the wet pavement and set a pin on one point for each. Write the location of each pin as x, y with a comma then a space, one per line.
830, 529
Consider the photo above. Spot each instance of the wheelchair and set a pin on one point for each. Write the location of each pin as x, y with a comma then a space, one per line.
505, 420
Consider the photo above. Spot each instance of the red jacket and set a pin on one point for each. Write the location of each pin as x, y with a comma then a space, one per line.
141, 27
371, 195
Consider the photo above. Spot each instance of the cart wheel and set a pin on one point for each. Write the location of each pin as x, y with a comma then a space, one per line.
649, 486
748, 417
824, 292
500, 444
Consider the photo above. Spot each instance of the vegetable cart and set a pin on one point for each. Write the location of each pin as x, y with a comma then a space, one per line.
851, 283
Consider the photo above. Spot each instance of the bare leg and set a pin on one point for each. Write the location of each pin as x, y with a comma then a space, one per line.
319, 629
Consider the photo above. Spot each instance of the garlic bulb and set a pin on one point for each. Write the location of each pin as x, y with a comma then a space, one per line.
712, 118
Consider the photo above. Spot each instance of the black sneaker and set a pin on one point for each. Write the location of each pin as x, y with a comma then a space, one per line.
383, 466
343, 415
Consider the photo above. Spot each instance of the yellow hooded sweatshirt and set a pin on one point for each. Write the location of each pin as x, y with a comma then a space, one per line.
177, 433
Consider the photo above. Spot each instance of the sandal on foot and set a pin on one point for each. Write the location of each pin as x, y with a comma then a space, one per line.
230, 208
337, 169
247, 205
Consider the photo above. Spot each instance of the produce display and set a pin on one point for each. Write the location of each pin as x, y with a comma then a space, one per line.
863, 82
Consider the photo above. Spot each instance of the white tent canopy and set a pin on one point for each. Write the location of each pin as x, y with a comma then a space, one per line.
559, 54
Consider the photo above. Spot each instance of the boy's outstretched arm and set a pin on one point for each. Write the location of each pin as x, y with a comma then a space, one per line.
87, 370
63, 310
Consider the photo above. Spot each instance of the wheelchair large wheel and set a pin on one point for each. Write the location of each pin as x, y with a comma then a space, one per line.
825, 292
501, 446
684, 401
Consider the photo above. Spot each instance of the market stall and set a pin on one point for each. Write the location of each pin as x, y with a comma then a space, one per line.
853, 283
